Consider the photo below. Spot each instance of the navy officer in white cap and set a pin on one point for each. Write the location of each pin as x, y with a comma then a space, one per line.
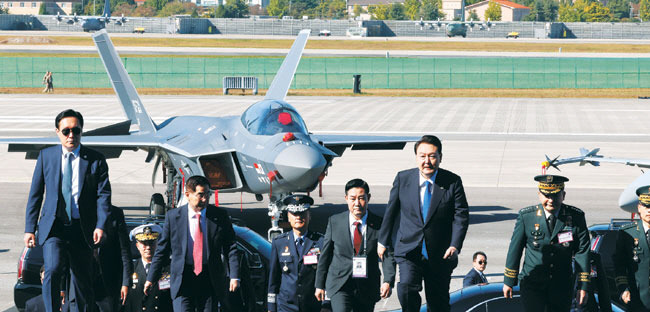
294, 258
159, 298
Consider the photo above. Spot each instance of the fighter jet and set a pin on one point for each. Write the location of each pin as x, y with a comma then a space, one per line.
266, 150
93, 23
628, 199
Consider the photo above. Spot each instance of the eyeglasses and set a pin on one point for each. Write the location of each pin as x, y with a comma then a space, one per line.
482, 262
75, 131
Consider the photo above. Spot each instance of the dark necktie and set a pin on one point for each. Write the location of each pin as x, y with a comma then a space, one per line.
551, 222
146, 267
426, 202
66, 188
357, 237
197, 252
299, 245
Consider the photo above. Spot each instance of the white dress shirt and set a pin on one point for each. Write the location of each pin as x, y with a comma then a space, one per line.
352, 227
423, 189
191, 219
75, 176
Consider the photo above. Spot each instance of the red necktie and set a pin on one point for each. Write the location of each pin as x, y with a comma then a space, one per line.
197, 253
357, 237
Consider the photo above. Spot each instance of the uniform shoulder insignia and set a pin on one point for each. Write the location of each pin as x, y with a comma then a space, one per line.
283, 235
575, 209
528, 209
628, 225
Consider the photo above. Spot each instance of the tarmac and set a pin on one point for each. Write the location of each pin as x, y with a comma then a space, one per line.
495, 145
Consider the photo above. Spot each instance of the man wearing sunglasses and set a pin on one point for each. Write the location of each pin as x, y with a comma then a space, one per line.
74, 180
475, 275
553, 234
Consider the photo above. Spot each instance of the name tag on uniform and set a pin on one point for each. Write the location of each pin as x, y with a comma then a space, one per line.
565, 237
164, 283
359, 267
310, 259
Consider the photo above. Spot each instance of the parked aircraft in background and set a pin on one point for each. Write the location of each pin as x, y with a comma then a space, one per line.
628, 199
266, 150
93, 23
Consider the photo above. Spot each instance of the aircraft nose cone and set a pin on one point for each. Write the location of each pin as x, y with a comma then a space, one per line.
300, 165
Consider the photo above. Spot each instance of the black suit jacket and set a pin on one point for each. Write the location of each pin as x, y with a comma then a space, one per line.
335, 263
472, 278
445, 225
94, 192
114, 255
35, 304
219, 242
158, 300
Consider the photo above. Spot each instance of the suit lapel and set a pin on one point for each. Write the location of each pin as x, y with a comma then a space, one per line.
413, 188
183, 227
83, 166
345, 228
211, 227
642, 239
57, 166
371, 225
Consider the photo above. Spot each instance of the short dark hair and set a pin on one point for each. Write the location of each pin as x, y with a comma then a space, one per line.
69, 113
476, 254
357, 183
429, 139
195, 181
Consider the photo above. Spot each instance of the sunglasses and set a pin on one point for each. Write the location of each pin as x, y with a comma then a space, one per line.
482, 262
75, 131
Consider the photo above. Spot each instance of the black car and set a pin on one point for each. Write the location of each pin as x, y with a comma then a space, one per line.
255, 249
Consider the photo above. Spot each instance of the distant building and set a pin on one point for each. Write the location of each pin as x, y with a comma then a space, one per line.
364, 4
32, 7
510, 11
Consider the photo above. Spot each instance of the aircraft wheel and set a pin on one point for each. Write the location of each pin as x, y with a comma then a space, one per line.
464, 36
157, 204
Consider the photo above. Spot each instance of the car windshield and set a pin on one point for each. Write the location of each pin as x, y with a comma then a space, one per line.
272, 117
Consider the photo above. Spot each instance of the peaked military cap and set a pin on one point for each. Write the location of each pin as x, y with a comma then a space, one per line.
644, 195
297, 203
550, 184
146, 232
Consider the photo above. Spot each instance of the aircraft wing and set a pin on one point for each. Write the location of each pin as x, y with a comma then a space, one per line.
339, 142
638, 162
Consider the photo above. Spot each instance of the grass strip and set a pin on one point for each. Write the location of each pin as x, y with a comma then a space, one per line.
568, 46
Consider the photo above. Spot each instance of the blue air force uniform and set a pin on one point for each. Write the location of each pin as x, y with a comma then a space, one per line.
292, 274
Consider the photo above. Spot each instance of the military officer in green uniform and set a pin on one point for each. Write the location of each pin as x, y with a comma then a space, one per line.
553, 234
632, 257
159, 298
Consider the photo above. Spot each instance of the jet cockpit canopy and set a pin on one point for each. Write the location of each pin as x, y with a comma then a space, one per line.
270, 117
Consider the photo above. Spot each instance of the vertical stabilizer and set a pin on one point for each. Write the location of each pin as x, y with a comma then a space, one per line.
122, 83
107, 8
282, 81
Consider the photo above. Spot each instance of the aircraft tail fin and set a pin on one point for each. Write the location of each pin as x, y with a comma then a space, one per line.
282, 81
122, 84
107, 8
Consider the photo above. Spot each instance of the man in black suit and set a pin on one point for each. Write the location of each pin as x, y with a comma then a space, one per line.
433, 212
114, 264
475, 275
199, 238
36, 304
159, 298
74, 180
349, 265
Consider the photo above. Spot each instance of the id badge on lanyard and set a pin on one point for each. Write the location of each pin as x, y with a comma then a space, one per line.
359, 262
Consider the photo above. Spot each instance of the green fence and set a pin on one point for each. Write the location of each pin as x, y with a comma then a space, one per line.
336, 73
